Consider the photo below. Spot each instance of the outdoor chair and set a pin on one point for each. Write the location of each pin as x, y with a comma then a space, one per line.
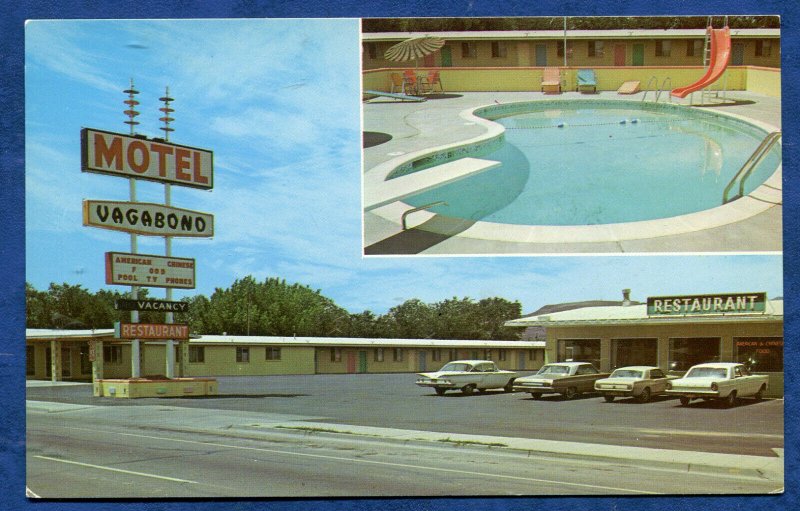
398, 84
551, 80
586, 80
433, 79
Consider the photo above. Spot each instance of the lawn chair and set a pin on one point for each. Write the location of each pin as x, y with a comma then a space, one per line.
398, 84
433, 79
586, 80
551, 80
411, 82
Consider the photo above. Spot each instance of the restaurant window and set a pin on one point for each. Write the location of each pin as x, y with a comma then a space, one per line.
242, 355
760, 354
30, 360
197, 354
469, 50
436, 355
112, 354
86, 364
378, 354
336, 354
596, 49
580, 350
634, 352
686, 352
398, 354
531, 355
273, 353
499, 49
763, 48
663, 48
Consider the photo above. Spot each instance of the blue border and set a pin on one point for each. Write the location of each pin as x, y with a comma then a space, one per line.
12, 245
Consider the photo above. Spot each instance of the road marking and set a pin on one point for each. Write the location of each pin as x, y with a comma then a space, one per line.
370, 462
116, 470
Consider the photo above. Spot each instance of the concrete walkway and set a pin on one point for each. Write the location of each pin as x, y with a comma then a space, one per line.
438, 121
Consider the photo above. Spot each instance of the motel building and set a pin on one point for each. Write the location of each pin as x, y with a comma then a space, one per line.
672, 332
84, 355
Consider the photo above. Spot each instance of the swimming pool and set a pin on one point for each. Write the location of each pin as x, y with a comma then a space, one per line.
596, 162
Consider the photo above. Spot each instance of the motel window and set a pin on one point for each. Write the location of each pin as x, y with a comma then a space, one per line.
694, 47
336, 354
378, 354
469, 50
474, 354
112, 354
452, 355
763, 48
531, 355
634, 352
501, 355
560, 49
436, 355
30, 360
579, 350
398, 354
242, 355
372, 50
499, 49
663, 48
487, 354
197, 354
596, 49
760, 354
686, 352
273, 353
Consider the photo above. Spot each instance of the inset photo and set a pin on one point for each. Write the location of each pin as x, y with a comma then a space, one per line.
571, 135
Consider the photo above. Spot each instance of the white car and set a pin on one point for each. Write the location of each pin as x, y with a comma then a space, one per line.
726, 381
469, 376
640, 382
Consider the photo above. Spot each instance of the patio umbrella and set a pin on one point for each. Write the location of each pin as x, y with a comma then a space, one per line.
413, 49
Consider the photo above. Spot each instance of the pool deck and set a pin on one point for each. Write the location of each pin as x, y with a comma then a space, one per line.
437, 122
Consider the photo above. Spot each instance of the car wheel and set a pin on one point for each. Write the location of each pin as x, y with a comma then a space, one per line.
509, 386
608, 399
536, 395
468, 389
685, 401
440, 391
645, 395
760, 394
571, 393
730, 400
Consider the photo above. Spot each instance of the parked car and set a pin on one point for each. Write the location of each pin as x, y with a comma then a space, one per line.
726, 381
569, 379
640, 382
469, 376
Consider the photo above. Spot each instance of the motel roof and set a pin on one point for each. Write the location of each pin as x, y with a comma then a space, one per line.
637, 314
494, 35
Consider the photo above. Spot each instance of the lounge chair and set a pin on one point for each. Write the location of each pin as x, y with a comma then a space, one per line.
551, 80
433, 79
631, 87
586, 80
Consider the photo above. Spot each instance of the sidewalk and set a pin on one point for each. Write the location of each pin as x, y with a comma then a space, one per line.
252, 425
437, 122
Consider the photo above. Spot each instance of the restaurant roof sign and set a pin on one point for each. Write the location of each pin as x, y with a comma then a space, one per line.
729, 303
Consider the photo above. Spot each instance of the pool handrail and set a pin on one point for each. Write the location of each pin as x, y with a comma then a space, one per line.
647, 88
664, 88
419, 208
744, 172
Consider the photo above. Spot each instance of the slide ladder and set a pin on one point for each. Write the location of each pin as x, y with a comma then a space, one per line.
719, 53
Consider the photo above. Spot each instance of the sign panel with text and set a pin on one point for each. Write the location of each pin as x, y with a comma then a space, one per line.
138, 157
151, 331
729, 303
147, 219
149, 270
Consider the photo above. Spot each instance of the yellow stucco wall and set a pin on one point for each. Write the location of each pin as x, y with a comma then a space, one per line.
221, 361
765, 81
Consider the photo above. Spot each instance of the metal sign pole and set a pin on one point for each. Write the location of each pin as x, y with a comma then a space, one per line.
136, 369
170, 344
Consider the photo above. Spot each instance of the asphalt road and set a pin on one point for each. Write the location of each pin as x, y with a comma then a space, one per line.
392, 400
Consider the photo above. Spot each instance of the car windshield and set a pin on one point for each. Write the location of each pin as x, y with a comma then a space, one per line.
456, 367
626, 373
554, 370
707, 372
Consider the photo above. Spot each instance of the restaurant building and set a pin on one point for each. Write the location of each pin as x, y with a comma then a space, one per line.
672, 332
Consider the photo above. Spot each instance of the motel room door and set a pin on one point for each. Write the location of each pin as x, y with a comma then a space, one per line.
619, 55
362, 361
521, 360
637, 58
447, 56
541, 55
422, 360
737, 54
351, 362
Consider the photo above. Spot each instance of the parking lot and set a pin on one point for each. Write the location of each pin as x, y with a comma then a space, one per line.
394, 401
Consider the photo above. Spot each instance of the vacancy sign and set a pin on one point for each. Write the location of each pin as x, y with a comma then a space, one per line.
138, 157
149, 270
150, 331
147, 219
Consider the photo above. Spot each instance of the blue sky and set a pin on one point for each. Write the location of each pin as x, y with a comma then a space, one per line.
278, 102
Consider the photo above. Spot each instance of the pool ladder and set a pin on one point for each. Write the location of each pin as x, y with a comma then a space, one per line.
750, 165
661, 89
420, 208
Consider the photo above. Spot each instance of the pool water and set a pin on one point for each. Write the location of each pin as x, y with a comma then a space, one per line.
586, 164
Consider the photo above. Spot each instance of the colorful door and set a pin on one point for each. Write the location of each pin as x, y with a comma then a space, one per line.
351, 362
619, 55
637, 58
737, 54
362, 361
447, 57
541, 55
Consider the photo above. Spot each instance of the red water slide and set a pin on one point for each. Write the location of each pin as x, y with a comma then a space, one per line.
720, 55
